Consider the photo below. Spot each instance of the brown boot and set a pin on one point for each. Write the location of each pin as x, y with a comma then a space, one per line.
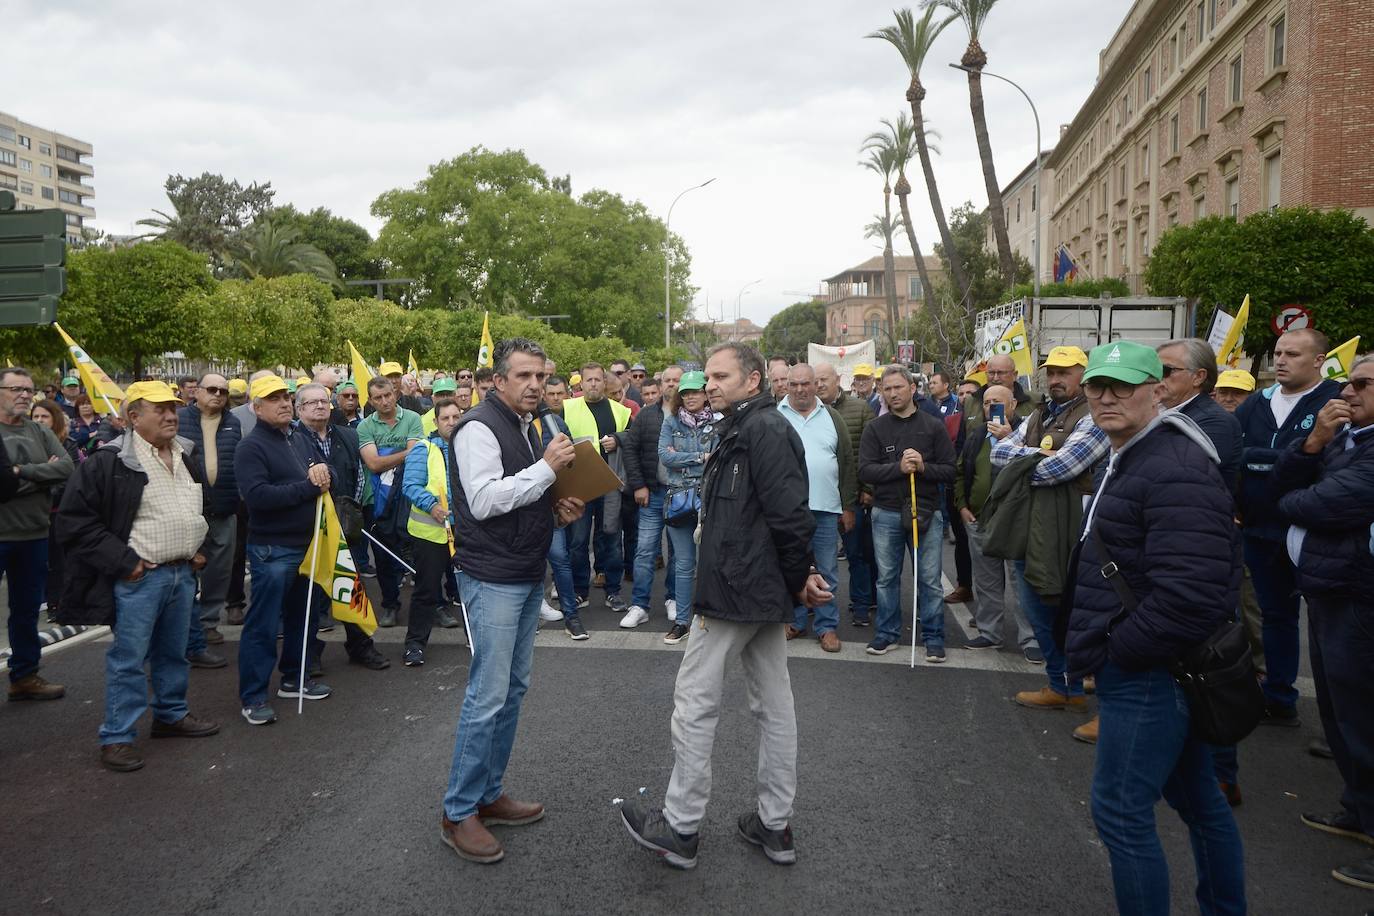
506, 810
233, 615
792, 632
34, 687
471, 840
188, 726
829, 641
122, 758
1045, 698
1087, 732
961, 595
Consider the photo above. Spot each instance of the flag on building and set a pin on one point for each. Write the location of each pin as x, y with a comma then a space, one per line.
1065, 270
484, 352
335, 572
1228, 354
1339, 360
105, 395
362, 374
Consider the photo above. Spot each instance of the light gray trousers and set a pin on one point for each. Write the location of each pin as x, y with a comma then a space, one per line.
992, 577
762, 650
214, 578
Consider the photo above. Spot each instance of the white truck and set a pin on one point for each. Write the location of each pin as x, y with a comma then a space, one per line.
1085, 322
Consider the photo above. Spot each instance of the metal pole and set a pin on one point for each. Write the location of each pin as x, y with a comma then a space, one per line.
667, 265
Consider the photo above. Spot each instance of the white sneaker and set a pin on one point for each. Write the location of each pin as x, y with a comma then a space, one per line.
549, 613
635, 616
670, 610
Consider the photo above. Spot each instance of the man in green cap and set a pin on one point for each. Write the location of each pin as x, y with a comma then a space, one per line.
1161, 529
66, 398
349, 412
443, 388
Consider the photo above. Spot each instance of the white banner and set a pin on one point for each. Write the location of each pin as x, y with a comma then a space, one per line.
1221, 327
844, 359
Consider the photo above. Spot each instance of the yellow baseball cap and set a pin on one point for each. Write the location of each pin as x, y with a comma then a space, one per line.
1236, 378
390, 367
862, 370
302, 380
157, 392
575, 378
238, 386
267, 385
1063, 357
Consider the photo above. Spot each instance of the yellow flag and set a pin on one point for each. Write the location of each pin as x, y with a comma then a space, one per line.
484, 352
1339, 360
411, 367
336, 573
1014, 343
104, 393
1228, 354
362, 374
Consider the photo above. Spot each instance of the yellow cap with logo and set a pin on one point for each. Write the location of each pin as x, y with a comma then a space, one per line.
1236, 378
1064, 357
862, 370
156, 392
267, 385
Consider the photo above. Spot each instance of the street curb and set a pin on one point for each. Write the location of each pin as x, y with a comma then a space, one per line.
63, 637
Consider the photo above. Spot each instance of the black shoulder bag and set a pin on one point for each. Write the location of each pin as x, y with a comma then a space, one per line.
1218, 676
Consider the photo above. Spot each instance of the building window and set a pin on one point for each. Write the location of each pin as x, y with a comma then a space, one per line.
1201, 27
69, 197
1121, 183
1173, 50
1272, 171
47, 193
7, 157
1277, 30
1233, 197
1018, 208
913, 287
1144, 242
1201, 111
25, 142
8, 134
26, 187
73, 219
1144, 160
26, 165
1173, 134
1182, 43
1034, 195
1211, 15
44, 170
9, 181
44, 149
1147, 84
70, 155
1236, 75
1199, 206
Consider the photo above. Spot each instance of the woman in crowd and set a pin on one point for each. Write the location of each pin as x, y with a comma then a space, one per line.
48, 413
86, 422
686, 439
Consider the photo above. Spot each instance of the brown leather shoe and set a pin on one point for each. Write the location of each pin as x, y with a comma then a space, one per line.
471, 840
122, 758
506, 810
187, 727
1045, 698
961, 595
1087, 732
793, 632
213, 636
233, 615
34, 687
599, 580
830, 642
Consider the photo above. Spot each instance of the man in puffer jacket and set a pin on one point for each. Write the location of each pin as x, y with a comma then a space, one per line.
1326, 484
1161, 521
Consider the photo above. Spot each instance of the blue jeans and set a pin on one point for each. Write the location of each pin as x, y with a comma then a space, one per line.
682, 569
1041, 616
152, 619
1276, 589
561, 564
503, 619
891, 547
278, 605
863, 568
648, 548
825, 546
608, 552
25, 563
1144, 750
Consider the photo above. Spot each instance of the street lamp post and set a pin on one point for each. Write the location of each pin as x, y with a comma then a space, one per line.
740, 295
1039, 199
667, 266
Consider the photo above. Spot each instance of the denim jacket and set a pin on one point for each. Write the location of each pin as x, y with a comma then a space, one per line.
682, 452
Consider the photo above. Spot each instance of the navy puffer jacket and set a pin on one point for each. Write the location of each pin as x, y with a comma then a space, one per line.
1166, 517
223, 497
1331, 495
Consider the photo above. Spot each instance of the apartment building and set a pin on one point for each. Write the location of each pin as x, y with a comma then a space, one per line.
856, 299
1206, 107
47, 171
1022, 204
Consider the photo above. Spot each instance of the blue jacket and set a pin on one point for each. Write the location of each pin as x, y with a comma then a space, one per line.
223, 498
682, 451
271, 468
415, 480
1165, 516
1222, 427
1331, 495
1257, 503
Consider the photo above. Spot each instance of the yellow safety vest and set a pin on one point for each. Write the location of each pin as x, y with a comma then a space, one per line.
582, 425
427, 421
421, 524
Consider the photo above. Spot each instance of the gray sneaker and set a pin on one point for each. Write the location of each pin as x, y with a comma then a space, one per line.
776, 844
260, 714
313, 690
650, 830
617, 604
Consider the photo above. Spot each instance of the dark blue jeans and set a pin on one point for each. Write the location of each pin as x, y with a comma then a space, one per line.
608, 551
1145, 751
1276, 589
561, 564
649, 548
152, 617
1341, 631
1041, 615
25, 563
863, 567
277, 604
825, 551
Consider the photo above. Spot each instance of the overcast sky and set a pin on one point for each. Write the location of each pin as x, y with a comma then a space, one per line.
336, 102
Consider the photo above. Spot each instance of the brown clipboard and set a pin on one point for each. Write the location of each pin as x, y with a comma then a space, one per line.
589, 476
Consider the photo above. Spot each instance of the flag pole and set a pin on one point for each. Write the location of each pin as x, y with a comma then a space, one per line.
309, 599
404, 565
462, 605
915, 572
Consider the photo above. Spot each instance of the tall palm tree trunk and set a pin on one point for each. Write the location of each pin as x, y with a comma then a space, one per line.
927, 291
998, 212
889, 263
915, 94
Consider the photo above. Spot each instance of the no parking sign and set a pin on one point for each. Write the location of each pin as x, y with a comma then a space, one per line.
1291, 318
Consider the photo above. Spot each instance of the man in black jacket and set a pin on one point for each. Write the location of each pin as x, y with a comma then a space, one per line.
755, 564
639, 453
1326, 487
1190, 375
133, 523
903, 443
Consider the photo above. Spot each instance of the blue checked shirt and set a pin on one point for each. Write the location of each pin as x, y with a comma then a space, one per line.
1085, 447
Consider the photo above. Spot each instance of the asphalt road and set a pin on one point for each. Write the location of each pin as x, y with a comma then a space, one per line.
922, 791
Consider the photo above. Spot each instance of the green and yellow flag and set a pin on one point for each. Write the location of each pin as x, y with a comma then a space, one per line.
1339, 360
1228, 354
362, 373
411, 367
335, 572
484, 352
105, 395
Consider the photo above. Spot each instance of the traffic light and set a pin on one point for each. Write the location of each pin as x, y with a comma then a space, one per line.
33, 248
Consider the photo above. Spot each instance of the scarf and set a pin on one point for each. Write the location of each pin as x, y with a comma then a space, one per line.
693, 420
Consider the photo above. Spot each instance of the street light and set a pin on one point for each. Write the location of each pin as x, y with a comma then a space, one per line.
1039, 199
740, 295
667, 265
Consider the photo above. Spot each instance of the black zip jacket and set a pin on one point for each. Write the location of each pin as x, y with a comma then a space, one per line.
880, 454
639, 448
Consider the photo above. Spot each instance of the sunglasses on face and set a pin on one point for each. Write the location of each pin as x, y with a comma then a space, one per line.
1359, 384
214, 389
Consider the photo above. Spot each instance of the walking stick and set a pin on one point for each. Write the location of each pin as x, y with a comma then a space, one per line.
452, 551
915, 572
309, 600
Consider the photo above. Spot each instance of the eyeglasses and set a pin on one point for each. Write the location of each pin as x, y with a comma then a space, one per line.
19, 389
1170, 370
315, 402
1359, 384
212, 389
618, 371
1120, 390
466, 375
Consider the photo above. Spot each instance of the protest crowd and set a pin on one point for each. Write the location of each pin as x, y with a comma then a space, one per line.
1108, 515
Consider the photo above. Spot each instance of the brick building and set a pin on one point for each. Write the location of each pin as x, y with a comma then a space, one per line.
1206, 107
856, 299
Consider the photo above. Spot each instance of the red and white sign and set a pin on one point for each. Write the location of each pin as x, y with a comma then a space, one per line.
1291, 318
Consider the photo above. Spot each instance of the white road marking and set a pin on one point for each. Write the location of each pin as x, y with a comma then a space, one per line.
958, 611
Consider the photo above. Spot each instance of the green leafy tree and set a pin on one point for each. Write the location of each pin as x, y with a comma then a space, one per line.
789, 331
125, 305
268, 321
206, 213
267, 249
952, 321
345, 242
1089, 288
1292, 255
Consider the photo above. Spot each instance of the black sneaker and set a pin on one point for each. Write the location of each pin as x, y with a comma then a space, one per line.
776, 844
386, 616
576, 631
371, 659
677, 634
650, 830
443, 618
858, 621
935, 654
1341, 823
982, 642
1034, 655
880, 646
1280, 715
616, 604
414, 657
1356, 874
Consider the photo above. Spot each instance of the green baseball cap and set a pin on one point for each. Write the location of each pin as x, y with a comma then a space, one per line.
70, 380
444, 385
348, 386
692, 381
1124, 361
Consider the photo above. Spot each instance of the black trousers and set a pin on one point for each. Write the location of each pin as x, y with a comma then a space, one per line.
963, 562
1341, 631
236, 597
431, 568
356, 643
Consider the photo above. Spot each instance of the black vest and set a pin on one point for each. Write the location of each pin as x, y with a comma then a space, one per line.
1058, 431
509, 548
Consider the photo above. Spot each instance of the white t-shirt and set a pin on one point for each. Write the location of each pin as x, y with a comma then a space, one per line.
1283, 403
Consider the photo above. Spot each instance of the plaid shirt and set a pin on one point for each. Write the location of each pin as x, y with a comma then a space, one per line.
170, 523
1085, 447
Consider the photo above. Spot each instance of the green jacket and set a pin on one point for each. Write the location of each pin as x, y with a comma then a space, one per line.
856, 415
1036, 524
848, 458
27, 516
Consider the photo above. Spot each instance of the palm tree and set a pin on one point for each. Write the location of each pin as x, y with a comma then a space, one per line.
883, 227
974, 14
913, 40
882, 162
268, 250
900, 138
